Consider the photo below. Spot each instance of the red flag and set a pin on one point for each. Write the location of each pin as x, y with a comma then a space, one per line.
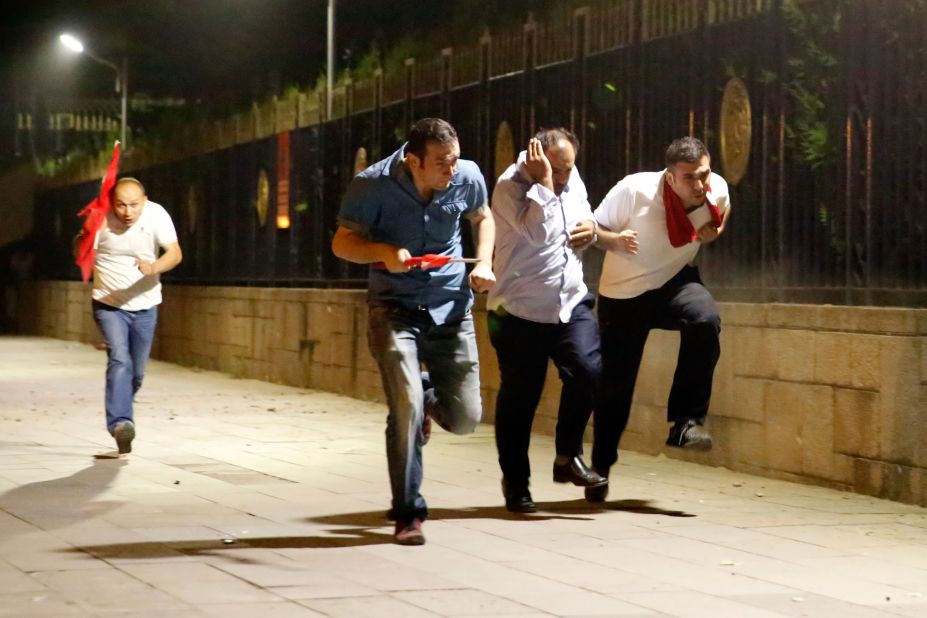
94, 215
681, 231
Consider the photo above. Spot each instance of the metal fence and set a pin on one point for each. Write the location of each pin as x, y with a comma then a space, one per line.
830, 206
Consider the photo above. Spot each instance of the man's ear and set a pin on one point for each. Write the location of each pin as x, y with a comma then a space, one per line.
413, 161
670, 178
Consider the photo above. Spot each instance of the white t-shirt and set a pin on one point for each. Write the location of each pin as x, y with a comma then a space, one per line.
117, 280
636, 203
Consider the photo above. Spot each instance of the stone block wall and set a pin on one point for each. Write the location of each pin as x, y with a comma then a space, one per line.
830, 395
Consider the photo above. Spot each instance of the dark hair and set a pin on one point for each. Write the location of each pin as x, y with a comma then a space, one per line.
129, 180
429, 130
688, 149
550, 137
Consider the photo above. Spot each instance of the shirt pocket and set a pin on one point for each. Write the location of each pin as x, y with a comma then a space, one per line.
444, 221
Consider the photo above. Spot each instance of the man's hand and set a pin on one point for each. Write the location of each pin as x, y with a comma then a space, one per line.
708, 233
582, 234
537, 165
395, 260
145, 267
625, 241
482, 277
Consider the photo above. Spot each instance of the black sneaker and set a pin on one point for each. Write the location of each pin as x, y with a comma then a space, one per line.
689, 434
124, 432
518, 498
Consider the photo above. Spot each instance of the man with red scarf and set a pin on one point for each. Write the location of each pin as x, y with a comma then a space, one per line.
651, 225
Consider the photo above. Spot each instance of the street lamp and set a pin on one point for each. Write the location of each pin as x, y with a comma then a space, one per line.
73, 44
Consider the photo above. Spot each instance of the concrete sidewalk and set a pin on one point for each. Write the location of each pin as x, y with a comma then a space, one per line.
245, 499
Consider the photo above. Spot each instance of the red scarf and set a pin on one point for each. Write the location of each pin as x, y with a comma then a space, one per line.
681, 231
94, 215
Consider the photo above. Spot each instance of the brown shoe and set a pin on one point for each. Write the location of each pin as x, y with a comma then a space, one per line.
409, 532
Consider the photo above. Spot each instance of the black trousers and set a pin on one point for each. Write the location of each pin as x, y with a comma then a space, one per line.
682, 304
523, 348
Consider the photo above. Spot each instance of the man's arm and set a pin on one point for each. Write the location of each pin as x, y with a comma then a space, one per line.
484, 234
353, 247
625, 240
171, 257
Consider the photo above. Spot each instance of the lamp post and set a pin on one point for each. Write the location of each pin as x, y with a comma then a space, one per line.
73, 44
330, 53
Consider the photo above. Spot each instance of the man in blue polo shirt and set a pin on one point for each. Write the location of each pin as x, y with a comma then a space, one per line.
411, 204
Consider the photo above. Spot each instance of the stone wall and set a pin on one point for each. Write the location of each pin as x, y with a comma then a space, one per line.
823, 394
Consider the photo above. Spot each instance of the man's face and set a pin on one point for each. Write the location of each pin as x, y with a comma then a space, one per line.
128, 202
562, 157
690, 180
438, 167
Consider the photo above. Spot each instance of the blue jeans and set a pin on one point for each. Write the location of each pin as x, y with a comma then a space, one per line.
400, 340
129, 335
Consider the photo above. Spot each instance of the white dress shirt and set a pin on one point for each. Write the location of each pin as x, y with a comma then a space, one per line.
539, 277
636, 203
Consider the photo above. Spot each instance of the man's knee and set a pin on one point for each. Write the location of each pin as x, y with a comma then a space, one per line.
706, 324
463, 416
119, 356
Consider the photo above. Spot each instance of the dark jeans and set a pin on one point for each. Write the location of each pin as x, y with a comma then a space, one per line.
523, 348
682, 304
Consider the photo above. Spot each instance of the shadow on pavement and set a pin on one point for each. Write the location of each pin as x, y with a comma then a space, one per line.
567, 510
219, 546
62, 501
364, 528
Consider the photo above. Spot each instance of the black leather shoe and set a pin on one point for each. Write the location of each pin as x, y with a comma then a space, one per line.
689, 434
518, 499
575, 471
600, 492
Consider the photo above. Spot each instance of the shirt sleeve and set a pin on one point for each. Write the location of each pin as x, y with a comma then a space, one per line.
720, 192
614, 212
165, 232
359, 212
529, 214
478, 196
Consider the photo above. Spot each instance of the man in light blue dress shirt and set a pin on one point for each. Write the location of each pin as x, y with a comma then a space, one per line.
410, 204
540, 309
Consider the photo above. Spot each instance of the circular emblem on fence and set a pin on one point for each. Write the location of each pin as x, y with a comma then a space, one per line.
360, 160
193, 204
505, 148
736, 130
263, 197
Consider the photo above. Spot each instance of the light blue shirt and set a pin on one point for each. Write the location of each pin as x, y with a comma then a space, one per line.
383, 205
539, 277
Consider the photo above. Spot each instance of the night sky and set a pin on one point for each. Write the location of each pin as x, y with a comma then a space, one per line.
221, 53
213, 49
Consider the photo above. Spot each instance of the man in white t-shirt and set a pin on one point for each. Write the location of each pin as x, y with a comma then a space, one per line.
126, 295
652, 225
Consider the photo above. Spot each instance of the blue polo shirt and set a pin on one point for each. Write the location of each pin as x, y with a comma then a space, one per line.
383, 205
